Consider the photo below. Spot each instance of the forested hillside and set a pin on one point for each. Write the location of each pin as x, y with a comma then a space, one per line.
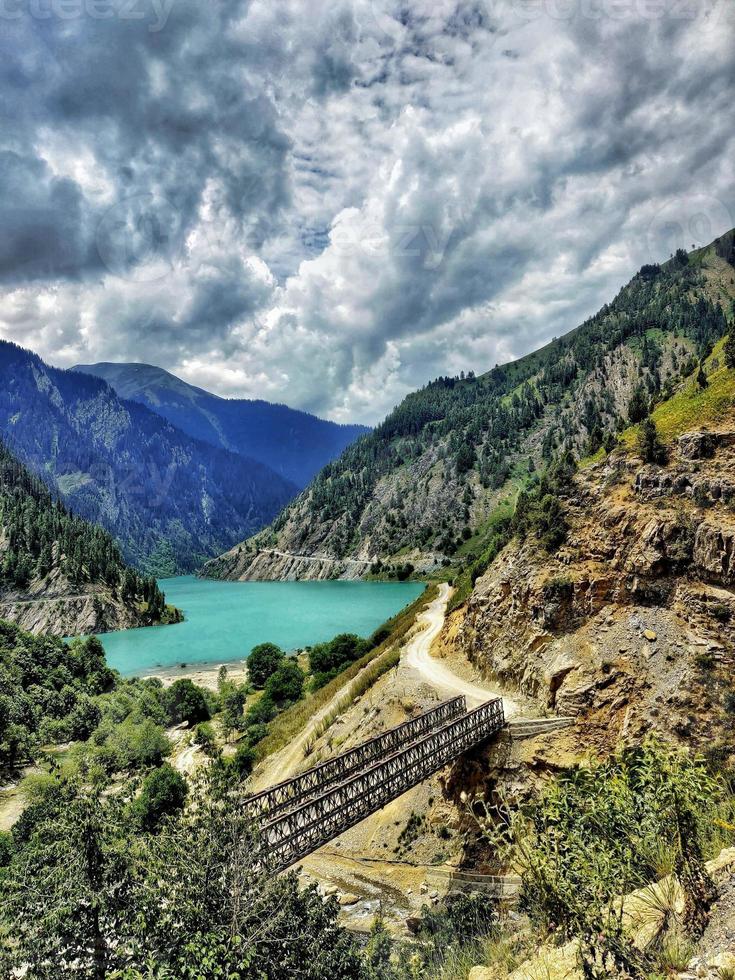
170, 500
294, 444
57, 572
392, 497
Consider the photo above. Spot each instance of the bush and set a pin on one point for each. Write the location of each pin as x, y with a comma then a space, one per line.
256, 733
326, 660
263, 662
204, 736
133, 745
163, 793
286, 684
243, 760
263, 711
186, 703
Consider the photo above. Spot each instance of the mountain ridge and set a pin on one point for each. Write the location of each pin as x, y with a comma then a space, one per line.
170, 500
59, 574
390, 500
293, 443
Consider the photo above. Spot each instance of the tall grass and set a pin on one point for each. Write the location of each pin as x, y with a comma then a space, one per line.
286, 726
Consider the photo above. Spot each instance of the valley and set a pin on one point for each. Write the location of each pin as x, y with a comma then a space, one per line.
579, 565
367, 490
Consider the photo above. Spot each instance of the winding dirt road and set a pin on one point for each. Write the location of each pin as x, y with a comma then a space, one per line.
417, 655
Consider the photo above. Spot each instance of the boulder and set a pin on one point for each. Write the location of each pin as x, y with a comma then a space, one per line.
348, 899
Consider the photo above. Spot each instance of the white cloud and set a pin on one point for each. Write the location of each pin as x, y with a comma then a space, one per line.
352, 198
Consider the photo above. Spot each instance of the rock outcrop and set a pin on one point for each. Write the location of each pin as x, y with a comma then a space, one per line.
631, 625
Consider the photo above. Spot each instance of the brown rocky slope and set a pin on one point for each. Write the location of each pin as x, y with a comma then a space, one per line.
631, 625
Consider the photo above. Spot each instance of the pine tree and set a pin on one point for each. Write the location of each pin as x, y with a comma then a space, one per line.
729, 350
650, 447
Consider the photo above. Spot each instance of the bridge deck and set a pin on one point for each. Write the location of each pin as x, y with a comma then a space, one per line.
291, 793
288, 835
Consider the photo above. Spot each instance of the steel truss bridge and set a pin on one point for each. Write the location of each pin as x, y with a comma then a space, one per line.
299, 815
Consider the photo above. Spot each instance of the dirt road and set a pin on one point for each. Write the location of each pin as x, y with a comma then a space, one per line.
417, 655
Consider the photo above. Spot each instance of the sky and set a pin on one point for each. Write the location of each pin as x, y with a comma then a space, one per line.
329, 204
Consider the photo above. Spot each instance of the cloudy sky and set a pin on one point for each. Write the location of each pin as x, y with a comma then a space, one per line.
330, 202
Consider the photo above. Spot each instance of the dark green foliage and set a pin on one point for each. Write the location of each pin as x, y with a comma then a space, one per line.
263, 661
650, 447
729, 350
187, 702
256, 733
46, 691
84, 898
638, 406
243, 760
137, 743
702, 376
170, 500
263, 711
69, 887
232, 702
163, 793
539, 512
326, 660
43, 536
204, 735
286, 684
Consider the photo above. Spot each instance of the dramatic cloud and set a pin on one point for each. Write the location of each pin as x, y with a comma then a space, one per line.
330, 202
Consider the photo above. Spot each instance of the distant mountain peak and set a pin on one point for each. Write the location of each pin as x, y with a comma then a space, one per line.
295, 444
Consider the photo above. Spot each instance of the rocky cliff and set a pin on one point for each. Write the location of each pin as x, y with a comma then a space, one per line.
54, 606
631, 624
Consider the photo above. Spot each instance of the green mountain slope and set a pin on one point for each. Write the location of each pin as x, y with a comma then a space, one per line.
418, 489
170, 500
293, 444
59, 574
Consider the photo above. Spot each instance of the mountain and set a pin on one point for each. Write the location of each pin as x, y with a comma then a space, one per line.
294, 444
429, 485
59, 574
170, 500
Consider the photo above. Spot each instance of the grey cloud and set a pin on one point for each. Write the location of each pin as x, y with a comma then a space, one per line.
419, 201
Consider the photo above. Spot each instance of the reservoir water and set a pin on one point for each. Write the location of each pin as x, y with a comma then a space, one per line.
225, 620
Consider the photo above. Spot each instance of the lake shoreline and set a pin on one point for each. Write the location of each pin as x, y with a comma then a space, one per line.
202, 674
226, 620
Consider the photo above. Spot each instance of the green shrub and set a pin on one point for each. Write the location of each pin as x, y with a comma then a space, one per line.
286, 685
264, 660
186, 703
256, 733
163, 793
243, 760
204, 735
263, 711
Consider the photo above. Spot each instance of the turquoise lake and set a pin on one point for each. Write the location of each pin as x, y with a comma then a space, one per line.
225, 620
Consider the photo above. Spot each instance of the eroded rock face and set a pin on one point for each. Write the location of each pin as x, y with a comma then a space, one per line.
714, 552
74, 616
618, 627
